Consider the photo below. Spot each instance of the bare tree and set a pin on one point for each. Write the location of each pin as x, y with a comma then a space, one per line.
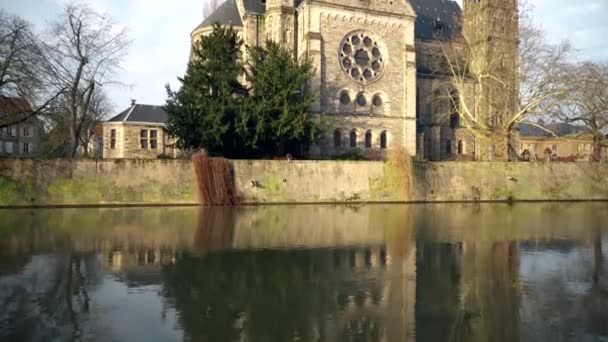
85, 50
100, 108
500, 86
22, 69
586, 103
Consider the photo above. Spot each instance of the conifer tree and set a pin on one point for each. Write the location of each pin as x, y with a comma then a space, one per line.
202, 112
275, 119
214, 111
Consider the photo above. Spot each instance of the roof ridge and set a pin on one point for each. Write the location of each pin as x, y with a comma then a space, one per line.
129, 113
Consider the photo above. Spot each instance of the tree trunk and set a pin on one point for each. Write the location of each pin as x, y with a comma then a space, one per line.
499, 141
597, 148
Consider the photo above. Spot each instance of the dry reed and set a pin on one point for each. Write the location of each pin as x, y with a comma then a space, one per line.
215, 180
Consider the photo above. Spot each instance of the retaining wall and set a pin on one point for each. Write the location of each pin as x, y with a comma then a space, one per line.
63, 182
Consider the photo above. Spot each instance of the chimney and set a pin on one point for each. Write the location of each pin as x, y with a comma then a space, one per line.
133, 102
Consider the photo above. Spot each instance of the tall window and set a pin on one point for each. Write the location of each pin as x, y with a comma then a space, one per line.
12, 131
112, 138
460, 147
368, 139
337, 138
383, 140
353, 138
454, 109
9, 147
27, 132
448, 147
26, 148
143, 138
153, 139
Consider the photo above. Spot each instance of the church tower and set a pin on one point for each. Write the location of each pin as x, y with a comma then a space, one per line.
279, 22
492, 30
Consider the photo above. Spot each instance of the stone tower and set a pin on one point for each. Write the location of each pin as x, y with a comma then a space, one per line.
492, 29
279, 22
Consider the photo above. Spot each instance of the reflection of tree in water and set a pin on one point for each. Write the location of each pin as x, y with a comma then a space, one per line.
265, 295
49, 299
467, 292
214, 231
596, 301
337, 293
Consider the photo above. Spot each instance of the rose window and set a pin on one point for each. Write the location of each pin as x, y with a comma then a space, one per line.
362, 57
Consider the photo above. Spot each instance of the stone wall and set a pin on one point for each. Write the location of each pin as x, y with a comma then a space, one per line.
128, 141
61, 182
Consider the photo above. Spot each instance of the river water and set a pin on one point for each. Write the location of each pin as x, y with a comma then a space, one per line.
445, 272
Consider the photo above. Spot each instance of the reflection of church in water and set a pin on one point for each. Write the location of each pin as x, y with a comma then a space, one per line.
370, 288
362, 292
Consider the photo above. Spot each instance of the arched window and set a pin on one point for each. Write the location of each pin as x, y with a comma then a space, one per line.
353, 138
454, 109
361, 100
383, 140
460, 147
368, 139
344, 98
448, 147
337, 138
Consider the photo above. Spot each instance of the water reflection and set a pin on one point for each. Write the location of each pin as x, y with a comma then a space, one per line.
310, 273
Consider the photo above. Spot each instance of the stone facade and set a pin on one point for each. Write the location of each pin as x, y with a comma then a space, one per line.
20, 140
371, 74
577, 148
143, 141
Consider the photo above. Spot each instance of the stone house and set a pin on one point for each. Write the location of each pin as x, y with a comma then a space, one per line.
21, 139
569, 143
372, 76
138, 132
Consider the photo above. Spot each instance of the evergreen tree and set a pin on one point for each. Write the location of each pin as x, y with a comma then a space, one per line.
274, 119
214, 111
202, 112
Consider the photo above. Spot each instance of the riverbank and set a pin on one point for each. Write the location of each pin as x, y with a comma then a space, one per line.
25, 182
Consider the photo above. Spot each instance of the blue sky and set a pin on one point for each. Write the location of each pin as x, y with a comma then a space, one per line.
160, 32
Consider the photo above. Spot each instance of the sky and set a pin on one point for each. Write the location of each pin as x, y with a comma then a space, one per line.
160, 31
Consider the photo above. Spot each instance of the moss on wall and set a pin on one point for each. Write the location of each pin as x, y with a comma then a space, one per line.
24, 182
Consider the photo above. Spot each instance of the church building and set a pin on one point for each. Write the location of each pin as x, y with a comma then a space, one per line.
372, 79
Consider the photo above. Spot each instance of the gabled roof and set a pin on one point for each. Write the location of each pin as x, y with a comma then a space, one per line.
434, 13
142, 113
560, 129
430, 15
226, 14
255, 6
14, 106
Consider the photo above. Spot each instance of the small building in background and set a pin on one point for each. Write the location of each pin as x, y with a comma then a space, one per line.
569, 143
138, 132
22, 137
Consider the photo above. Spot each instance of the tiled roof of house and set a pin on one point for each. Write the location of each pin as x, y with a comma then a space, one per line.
560, 129
432, 14
226, 14
13, 106
142, 113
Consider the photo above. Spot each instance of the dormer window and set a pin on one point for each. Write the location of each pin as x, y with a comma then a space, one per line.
438, 27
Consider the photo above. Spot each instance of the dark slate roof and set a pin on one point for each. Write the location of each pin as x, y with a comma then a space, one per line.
142, 113
227, 14
431, 13
560, 129
255, 6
